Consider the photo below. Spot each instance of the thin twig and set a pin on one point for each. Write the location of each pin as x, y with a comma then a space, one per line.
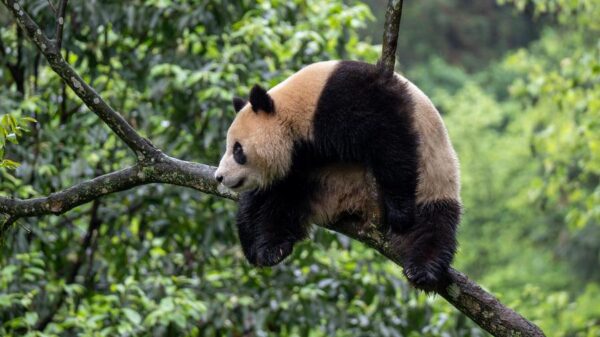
2, 48
60, 23
19, 67
52, 7
393, 15
10, 220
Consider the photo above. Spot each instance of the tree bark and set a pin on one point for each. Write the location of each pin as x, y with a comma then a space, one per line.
153, 166
391, 28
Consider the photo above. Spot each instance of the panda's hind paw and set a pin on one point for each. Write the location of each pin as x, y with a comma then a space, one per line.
427, 278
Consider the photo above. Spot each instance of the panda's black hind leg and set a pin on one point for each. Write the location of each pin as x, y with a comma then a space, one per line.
428, 249
394, 166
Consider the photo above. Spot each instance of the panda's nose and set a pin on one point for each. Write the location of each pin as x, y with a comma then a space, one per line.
219, 178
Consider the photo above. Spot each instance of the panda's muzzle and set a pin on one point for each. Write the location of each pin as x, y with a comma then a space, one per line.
239, 184
227, 183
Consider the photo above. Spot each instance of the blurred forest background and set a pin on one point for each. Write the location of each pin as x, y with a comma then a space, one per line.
517, 82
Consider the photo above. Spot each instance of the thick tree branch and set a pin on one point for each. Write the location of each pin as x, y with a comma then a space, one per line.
142, 147
155, 167
390, 34
168, 170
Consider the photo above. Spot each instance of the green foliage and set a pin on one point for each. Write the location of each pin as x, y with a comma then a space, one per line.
467, 34
580, 13
11, 129
561, 92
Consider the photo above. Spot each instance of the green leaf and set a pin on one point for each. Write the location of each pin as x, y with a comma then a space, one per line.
9, 164
11, 137
29, 119
132, 316
31, 318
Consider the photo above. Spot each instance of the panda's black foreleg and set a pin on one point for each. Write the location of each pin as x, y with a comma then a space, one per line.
394, 166
270, 223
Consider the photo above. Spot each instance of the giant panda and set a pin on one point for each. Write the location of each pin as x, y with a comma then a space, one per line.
311, 149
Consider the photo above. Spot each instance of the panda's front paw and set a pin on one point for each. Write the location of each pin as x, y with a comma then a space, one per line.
269, 254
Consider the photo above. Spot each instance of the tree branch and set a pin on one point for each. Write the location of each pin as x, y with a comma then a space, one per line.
2, 48
393, 15
155, 167
60, 23
52, 6
142, 147
5, 224
168, 170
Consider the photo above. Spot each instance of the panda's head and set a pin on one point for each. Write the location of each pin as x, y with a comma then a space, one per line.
259, 145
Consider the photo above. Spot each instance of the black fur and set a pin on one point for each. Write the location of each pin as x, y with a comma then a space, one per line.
429, 248
364, 116
238, 154
271, 221
260, 100
238, 103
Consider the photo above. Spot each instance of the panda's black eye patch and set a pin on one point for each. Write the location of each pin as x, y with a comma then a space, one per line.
238, 154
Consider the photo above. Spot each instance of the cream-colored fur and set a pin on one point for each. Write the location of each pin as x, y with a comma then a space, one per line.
439, 176
297, 97
344, 188
266, 144
268, 138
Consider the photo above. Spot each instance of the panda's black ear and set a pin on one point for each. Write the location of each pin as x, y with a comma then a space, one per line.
238, 103
260, 100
